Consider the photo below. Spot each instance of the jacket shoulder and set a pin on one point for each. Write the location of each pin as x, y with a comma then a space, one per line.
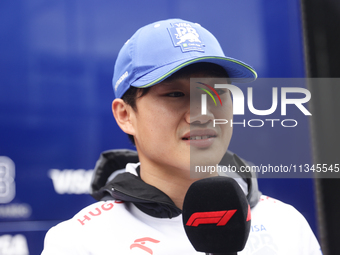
68, 237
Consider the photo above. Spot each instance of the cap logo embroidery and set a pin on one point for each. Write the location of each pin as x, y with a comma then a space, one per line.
185, 36
121, 79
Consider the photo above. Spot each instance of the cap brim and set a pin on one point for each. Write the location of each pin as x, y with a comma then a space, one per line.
238, 71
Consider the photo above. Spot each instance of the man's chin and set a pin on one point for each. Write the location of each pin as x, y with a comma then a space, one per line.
206, 157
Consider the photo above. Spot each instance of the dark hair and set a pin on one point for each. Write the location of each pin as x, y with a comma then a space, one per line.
213, 70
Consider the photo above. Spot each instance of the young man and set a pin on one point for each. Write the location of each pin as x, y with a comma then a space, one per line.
141, 197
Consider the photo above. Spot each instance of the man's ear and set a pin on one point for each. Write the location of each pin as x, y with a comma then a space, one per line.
123, 113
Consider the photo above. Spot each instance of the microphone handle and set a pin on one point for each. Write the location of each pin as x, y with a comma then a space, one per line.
223, 253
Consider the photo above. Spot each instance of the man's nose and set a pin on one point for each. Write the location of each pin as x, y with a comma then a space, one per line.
195, 116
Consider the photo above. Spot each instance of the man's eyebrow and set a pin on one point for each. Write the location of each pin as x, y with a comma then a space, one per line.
171, 84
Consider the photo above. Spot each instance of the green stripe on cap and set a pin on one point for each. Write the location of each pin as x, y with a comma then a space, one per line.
195, 60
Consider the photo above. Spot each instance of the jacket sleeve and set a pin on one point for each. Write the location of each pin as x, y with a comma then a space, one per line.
63, 239
279, 228
310, 245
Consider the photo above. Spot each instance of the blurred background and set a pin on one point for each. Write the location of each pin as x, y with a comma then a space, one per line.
56, 65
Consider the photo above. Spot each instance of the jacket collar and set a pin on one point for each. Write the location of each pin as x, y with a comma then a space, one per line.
130, 187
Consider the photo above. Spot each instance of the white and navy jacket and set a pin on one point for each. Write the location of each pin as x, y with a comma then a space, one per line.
133, 217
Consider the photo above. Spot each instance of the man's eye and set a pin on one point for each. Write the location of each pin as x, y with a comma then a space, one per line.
221, 91
175, 94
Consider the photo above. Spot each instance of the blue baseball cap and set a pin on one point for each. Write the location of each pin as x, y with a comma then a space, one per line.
162, 48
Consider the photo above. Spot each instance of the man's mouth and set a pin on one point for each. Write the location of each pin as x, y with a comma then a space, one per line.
197, 137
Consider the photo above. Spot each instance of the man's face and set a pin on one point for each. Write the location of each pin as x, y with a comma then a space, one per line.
171, 133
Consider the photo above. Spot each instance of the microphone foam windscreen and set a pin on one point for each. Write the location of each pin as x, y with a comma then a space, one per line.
216, 215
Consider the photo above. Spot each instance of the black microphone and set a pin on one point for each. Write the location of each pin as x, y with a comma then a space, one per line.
216, 216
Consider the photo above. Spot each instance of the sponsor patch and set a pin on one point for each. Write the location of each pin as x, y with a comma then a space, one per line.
185, 36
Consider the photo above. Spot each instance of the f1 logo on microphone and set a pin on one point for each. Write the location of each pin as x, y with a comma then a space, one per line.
220, 218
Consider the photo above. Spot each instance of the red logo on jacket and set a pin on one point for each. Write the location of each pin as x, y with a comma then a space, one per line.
139, 243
